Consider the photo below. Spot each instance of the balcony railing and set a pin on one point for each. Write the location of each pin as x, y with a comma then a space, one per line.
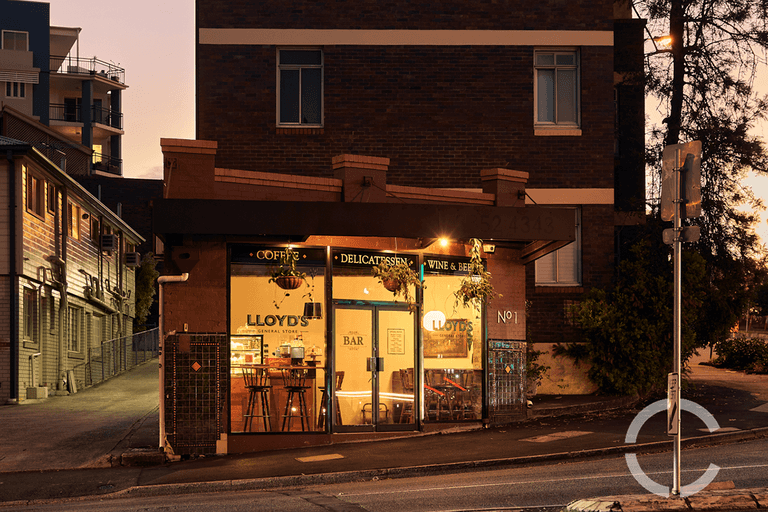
107, 117
82, 66
71, 113
106, 163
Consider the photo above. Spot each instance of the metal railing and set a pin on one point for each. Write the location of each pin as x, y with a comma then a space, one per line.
83, 66
107, 163
71, 113
121, 354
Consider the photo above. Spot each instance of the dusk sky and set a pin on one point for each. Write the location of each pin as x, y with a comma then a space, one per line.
154, 42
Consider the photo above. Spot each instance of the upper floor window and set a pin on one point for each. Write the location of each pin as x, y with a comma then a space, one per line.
74, 221
35, 194
562, 267
557, 88
13, 40
300, 87
15, 90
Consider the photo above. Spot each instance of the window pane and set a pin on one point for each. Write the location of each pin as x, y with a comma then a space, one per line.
545, 59
311, 88
21, 41
545, 91
546, 269
566, 96
289, 96
300, 57
566, 60
567, 267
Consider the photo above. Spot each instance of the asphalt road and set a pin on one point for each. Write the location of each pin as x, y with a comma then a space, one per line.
529, 488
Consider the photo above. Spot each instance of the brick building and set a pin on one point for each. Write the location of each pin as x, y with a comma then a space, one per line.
66, 277
354, 110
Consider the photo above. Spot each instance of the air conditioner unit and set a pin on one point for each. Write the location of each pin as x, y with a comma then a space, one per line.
132, 259
108, 242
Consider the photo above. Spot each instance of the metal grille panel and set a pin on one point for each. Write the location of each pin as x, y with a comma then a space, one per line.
506, 379
195, 382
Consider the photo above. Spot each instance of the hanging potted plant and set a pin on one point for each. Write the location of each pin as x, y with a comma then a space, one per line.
397, 279
286, 275
476, 287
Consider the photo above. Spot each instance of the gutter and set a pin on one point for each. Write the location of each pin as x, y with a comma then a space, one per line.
14, 316
161, 281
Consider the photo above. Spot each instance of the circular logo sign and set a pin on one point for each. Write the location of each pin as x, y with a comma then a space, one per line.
634, 466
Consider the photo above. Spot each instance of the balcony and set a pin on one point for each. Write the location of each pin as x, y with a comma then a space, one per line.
108, 164
71, 113
81, 66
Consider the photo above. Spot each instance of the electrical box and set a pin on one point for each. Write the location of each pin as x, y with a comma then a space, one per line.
132, 259
108, 242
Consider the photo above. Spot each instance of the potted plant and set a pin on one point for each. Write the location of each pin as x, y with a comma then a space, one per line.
397, 278
286, 275
476, 287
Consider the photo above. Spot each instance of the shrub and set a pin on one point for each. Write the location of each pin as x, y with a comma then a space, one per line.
742, 353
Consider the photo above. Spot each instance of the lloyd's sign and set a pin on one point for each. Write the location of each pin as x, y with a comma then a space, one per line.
277, 323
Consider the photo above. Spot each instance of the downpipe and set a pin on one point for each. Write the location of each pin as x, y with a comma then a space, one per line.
160, 282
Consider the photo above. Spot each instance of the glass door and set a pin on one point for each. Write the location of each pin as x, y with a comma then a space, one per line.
374, 348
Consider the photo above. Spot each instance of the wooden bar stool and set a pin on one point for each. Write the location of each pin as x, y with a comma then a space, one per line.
257, 383
406, 378
295, 383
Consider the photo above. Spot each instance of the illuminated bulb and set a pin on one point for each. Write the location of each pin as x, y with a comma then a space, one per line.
365, 291
444, 242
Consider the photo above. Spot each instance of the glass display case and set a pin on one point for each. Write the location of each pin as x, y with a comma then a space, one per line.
246, 349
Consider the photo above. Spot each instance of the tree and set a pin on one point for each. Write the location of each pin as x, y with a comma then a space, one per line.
704, 89
627, 334
146, 276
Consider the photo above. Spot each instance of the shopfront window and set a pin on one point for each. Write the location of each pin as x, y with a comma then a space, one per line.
277, 343
452, 345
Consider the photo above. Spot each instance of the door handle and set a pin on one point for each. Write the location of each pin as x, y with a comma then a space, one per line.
374, 364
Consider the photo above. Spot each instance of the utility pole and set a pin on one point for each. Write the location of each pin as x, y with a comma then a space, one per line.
680, 197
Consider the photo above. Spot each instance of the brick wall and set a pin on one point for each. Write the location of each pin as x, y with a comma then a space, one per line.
441, 114
405, 14
201, 301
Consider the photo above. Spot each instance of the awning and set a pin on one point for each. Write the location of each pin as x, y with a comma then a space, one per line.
539, 230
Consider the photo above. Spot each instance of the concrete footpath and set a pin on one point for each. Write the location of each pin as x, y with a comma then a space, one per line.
67, 447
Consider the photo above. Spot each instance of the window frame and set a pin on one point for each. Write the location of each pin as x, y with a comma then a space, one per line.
75, 335
35, 201
74, 212
575, 246
555, 125
31, 300
2, 39
281, 67
16, 90
51, 198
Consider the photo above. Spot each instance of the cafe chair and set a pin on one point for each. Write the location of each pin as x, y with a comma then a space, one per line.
463, 405
436, 394
324, 403
257, 383
295, 383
